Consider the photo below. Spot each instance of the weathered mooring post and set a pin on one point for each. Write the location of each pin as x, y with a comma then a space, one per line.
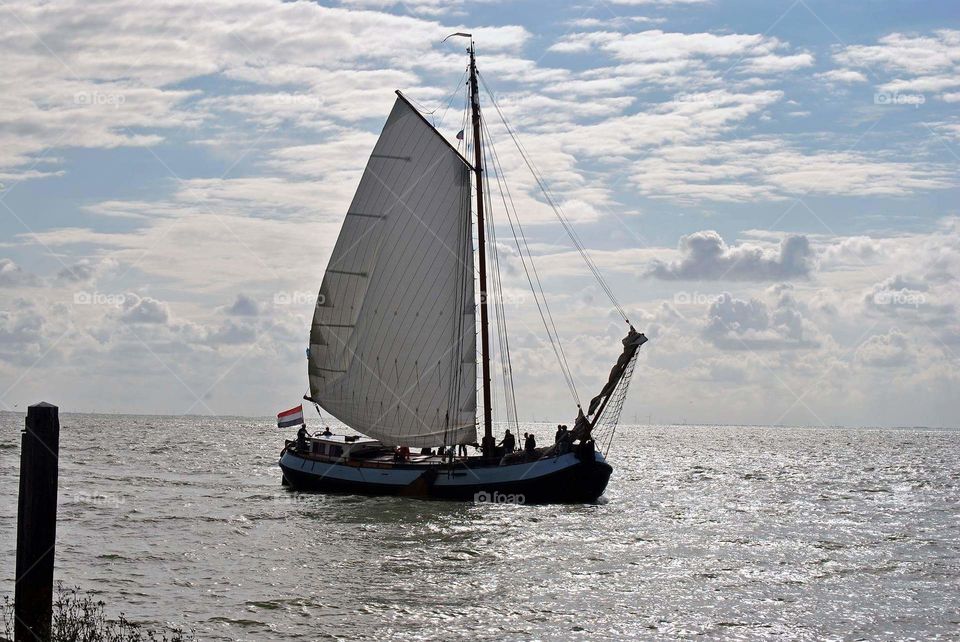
37, 523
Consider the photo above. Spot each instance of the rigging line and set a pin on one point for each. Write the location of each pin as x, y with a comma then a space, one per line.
509, 397
505, 187
496, 291
421, 107
538, 177
558, 212
508, 362
453, 94
555, 343
463, 122
553, 335
509, 391
561, 357
578, 243
497, 296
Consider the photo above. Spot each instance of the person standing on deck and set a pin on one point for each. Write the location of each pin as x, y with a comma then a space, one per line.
509, 442
530, 444
302, 435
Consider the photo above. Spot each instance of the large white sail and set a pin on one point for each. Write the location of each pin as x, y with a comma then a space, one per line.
392, 345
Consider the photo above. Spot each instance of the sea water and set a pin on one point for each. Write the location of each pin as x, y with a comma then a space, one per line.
705, 531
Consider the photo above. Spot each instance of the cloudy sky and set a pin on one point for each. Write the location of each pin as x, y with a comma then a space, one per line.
770, 188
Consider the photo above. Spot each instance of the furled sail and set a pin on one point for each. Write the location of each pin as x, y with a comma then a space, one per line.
392, 344
631, 343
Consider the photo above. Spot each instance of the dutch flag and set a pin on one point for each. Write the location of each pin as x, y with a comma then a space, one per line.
292, 417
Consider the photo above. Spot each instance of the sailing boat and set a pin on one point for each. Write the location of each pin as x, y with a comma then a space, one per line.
393, 341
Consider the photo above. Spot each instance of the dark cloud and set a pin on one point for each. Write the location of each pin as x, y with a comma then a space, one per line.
707, 257
243, 306
903, 296
78, 273
12, 275
735, 324
232, 333
85, 270
145, 310
20, 325
23, 337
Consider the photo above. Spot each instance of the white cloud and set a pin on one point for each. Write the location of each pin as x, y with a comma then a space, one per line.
100, 81
766, 168
899, 295
637, 3
842, 76
912, 54
917, 63
627, 121
774, 64
705, 256
659, 45
736, 324
888, 350
854, 250
87, 269
143, 310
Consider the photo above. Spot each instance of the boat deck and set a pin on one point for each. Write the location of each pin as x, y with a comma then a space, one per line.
388, 458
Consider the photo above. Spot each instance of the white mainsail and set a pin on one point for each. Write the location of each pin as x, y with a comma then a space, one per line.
393, 339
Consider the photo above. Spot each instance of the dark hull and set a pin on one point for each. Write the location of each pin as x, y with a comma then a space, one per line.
583, 482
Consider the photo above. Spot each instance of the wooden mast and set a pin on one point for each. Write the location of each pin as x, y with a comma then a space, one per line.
489, 441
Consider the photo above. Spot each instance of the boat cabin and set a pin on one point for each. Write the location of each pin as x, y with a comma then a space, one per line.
342, 446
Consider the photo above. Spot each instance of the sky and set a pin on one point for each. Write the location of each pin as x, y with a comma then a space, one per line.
769, 188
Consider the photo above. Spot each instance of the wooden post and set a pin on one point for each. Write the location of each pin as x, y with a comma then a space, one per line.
37, 523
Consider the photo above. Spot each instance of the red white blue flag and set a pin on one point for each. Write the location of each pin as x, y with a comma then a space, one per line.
292, 417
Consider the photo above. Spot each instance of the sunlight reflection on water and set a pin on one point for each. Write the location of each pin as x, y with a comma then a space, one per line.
737, 532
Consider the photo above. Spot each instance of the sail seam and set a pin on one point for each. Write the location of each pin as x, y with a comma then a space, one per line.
404, 338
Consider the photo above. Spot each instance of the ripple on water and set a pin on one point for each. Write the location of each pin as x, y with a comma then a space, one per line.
712, 531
